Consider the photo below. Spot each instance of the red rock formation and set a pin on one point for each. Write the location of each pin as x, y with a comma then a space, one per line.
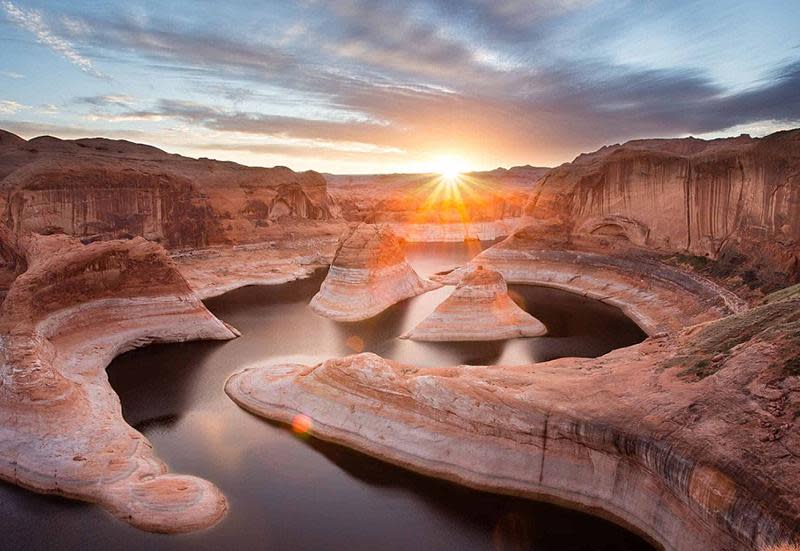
478, 310
736, 200
100, 189
369, 273
692, 440
659, 297
421, 207
61, 427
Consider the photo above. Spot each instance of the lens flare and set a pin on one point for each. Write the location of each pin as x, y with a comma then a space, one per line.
302, 424
355, 343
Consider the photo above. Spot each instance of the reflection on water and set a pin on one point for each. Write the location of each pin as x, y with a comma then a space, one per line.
288, 493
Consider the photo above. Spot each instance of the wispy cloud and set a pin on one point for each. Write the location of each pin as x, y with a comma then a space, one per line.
11, 74
33, 22
118, 100
8, 107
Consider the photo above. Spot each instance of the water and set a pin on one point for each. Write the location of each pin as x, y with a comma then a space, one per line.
290, 494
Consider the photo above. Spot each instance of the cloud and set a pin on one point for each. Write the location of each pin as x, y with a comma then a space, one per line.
33, 22
412, 79
162, 42
11, 74
213, 118
8, 107
118, 100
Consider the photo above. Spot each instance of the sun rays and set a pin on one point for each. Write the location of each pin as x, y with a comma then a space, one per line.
452, 196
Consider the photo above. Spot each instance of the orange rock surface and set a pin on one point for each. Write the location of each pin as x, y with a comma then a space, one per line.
369, 273
61, 427
689, 439
478, 310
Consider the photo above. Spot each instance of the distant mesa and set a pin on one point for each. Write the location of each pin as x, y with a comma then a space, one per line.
369, 273
480, 309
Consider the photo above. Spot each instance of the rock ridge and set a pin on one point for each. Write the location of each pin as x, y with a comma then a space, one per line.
61, 426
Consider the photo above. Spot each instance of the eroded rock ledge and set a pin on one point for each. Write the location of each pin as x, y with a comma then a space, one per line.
658, 297
692, 439
478, 310
369, 273
61, 426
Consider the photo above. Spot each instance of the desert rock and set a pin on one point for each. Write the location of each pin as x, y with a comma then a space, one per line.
369, 273
421, 207
479, 309
659, 297
735, 200
61, 427
104, 189
690, 439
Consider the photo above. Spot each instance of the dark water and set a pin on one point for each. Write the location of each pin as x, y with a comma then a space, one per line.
286, 493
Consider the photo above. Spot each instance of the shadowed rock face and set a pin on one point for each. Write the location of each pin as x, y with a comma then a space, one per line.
478, 310
732, 200
691, 439
101, 189
369, 273
61, 427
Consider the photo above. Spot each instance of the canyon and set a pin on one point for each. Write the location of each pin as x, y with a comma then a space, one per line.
688, 438
71, 312
423, 207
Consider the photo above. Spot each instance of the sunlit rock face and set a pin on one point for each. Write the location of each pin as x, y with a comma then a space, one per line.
61, 428
479, 309
733, 200
659, 297
102, 189
369, 273
424, 207
691, 439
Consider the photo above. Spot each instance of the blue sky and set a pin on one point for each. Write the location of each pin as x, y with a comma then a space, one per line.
377, 86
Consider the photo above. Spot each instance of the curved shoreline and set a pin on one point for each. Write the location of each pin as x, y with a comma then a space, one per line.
568, 430
61, 425
659, 298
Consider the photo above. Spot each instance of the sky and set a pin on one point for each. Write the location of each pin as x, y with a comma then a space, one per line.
368, 86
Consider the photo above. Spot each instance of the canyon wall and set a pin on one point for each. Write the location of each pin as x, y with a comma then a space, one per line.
105, 189
689, 439
426, 207
735, 201
62, 432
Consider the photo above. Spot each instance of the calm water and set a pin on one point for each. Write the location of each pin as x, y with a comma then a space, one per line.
286, 493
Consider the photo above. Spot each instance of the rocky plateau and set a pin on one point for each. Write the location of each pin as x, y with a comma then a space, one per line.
689, 438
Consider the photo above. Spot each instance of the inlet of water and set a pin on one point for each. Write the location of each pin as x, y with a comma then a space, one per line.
289, 494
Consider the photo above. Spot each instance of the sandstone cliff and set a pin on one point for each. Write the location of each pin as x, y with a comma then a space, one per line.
101, 189
690, 439
369, 273
479, 309
423, 207
61, 428
734, 201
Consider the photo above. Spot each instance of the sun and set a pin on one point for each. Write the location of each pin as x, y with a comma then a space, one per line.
449, 169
